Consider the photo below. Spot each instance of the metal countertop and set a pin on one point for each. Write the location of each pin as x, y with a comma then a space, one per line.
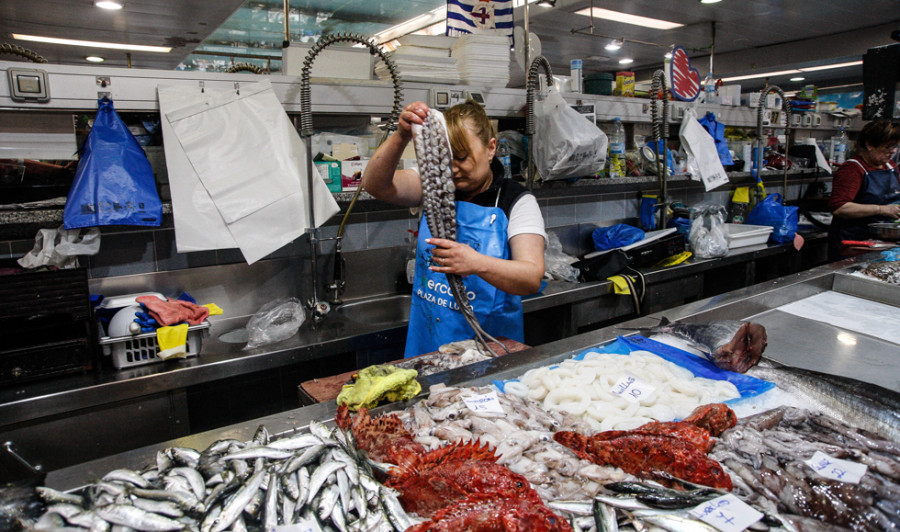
759, 301
334, 335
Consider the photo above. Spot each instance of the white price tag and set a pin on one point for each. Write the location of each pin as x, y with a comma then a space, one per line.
632, 388
836, 469
484, 403
727, 513
300, 526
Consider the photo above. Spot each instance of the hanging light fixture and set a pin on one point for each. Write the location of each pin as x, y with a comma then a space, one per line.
547, 3
614, 44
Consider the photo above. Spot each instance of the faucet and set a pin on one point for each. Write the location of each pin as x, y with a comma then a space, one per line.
530, 84
658, 94
786, 108
318, 307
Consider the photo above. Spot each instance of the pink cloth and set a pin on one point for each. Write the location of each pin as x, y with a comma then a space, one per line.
174, 311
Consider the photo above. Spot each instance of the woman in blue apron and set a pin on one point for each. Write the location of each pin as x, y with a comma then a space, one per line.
866, 188
499, 251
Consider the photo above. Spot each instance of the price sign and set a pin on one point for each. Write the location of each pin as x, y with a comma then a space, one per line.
300, 526
727, 513
632, 388
487, 402
836, 469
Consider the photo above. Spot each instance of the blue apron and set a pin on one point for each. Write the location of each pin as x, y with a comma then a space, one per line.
879, 187
434, 318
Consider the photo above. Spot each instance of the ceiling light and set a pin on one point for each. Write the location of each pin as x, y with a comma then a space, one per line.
94, 59
762, 75
414, 24
626, 18
798, 78
626, 61
668, 55
94, 44
614, 44
547, 3
108, 4
835, 65
710, 1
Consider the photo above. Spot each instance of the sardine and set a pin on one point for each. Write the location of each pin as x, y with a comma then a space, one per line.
52, 496
136, 518
167, 508
866, 406
294, 443
319, 476
270, 508
731, 345
126, 475
194, 479
677, 523
236, 505
252, 453
604, 517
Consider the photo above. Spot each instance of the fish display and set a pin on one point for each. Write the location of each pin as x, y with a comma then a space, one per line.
522, 436
729, 344
587, 387
888, 272
459, 486
660, 452
449, 356
863, 405
310, 478
771, 455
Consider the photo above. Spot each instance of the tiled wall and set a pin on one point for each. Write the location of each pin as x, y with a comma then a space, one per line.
128, 252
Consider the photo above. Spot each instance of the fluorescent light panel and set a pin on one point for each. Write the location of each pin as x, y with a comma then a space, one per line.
793, 71
835, 65
626, 18
94, 44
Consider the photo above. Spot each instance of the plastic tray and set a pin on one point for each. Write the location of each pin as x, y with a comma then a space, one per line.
740, 235
141, 349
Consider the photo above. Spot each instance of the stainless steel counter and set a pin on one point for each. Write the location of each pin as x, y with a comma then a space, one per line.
761, 302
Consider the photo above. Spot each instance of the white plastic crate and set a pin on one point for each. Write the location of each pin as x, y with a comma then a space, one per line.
140, 349
740, 235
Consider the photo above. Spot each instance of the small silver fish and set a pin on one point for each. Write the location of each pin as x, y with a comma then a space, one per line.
136, 518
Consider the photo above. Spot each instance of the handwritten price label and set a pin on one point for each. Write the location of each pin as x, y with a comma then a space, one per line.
300, 526
632, 388
487, 402
727, 513
836, 469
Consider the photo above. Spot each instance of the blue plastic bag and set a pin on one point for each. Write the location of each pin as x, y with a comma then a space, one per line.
616, 236
114, 183
781, 218
717, 132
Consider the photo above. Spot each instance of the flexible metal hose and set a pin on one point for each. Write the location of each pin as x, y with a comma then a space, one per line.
7, 48
244, 67
659, 93
531, 82
760, 110
306, 126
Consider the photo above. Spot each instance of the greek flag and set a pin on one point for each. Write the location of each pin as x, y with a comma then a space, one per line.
492, 17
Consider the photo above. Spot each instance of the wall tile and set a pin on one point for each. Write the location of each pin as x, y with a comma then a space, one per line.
168, 258
590, 209
229, 256
124, 254
20, 247
387, 233
5, 252
560, 212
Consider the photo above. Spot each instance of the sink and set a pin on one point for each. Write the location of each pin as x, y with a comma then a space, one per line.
378, 311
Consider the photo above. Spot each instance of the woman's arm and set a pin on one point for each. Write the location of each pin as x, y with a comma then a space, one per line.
381, 178
520, 275
862, 210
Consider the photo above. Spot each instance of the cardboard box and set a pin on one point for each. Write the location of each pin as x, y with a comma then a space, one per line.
730, 95
351, 174
335, 62
330, 172
751, 99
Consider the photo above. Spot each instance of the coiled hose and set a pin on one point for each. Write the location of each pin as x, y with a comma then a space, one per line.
244, 67
7, 48
530, 86
433, 154
659, 93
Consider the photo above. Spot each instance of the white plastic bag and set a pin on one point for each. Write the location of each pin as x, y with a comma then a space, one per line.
708, 238
275, 321
566, 144
558, 265
61, 247
702, 158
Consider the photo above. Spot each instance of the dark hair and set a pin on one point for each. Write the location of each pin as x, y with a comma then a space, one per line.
876, 134
469, 115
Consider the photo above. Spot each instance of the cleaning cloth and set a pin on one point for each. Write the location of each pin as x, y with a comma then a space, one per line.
380, 382
173, 312
620, 285
172, 341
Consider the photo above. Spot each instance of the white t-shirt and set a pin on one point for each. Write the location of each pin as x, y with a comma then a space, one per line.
525, 218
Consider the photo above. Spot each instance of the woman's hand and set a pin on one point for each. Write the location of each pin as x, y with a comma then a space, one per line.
450, 256
414, 113
891, 211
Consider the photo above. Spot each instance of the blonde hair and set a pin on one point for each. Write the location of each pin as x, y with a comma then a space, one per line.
469, 115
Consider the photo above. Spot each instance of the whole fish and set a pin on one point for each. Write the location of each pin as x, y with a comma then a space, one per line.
729, 344
856, 403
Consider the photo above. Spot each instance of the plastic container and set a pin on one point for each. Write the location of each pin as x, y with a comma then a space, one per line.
575, 74
624, 83
599, 83
141, 349
616, 160
741, 235
839, 148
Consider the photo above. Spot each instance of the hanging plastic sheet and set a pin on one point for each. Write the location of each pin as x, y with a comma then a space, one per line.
251, 162
703, 159
114, 183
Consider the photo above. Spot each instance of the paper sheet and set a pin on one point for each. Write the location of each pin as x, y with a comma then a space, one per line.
851, 313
